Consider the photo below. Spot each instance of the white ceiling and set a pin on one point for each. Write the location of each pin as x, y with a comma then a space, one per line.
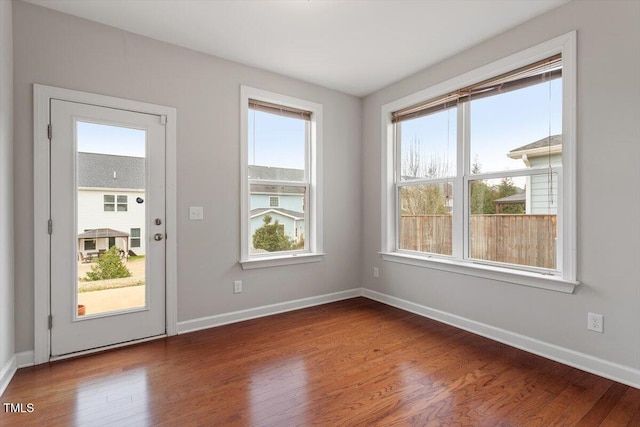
355, 47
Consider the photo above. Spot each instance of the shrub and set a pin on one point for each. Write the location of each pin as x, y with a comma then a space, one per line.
109, 265
271, 237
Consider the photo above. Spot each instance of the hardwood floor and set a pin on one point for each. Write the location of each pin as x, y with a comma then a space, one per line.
351, 363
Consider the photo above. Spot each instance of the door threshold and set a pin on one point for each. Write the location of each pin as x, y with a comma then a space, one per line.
105, 348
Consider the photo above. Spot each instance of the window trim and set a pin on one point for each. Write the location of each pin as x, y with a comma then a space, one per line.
119, 203
105, 203
567, 225
313, 223
116, 204
138, 237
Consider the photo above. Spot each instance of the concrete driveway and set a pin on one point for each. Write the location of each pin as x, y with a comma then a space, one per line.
112, 294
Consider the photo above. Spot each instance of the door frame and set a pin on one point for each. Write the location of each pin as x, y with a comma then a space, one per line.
42, 96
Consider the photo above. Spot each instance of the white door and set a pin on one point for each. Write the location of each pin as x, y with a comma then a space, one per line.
108, 226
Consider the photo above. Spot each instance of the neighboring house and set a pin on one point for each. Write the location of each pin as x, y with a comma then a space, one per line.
515, 199
541, 190
109, 213
284, 203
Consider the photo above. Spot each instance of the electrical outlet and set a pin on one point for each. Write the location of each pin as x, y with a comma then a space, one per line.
196, 213
376, 272
595, 322
237, 287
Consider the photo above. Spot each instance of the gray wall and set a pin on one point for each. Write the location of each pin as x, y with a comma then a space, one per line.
608, 195
6, 186
60, 50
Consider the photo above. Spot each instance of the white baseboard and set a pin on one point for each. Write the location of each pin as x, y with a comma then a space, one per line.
6, 373
604, 368
265, 310
19, 360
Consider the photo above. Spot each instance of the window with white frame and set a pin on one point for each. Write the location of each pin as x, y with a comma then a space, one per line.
113, 202
481, 171
280, 169
135, 237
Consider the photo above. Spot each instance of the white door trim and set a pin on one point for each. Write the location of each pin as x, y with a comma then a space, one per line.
41, 252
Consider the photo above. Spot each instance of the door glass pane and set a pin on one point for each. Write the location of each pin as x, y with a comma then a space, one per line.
110, 218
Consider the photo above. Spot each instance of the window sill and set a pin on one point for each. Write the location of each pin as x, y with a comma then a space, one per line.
524, 278
277, 261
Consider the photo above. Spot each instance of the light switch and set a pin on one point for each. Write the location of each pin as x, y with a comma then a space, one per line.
196, 213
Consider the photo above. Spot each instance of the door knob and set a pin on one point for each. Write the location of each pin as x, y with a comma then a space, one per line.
157, 237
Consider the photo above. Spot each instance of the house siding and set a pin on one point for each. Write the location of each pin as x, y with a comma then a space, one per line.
290, 202
293, 228
538, 187
91, 215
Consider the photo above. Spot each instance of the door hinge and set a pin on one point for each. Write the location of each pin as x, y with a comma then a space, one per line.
163, 119
50, 227
50, 322
49, 132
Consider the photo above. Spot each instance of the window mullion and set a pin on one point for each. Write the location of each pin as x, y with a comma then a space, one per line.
397, 178
459, 191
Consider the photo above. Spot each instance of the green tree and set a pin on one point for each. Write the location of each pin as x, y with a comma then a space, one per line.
481, 198
271, 237
507, 188
108, 266
481, 194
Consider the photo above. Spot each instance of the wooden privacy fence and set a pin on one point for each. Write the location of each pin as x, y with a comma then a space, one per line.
515, 239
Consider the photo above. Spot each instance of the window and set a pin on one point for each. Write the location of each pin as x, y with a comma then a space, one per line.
89, 245
110, 204
122, 203
281, 141
480, 171
135, 237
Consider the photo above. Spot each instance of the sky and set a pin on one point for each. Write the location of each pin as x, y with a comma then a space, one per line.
499, 124
275, 140
105, 139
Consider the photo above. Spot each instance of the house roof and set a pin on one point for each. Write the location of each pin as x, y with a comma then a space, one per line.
101, 233
544, 146
275, 174
285, 212
109, 171
514, 198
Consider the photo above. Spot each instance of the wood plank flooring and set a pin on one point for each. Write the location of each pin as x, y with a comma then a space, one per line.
350, 363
